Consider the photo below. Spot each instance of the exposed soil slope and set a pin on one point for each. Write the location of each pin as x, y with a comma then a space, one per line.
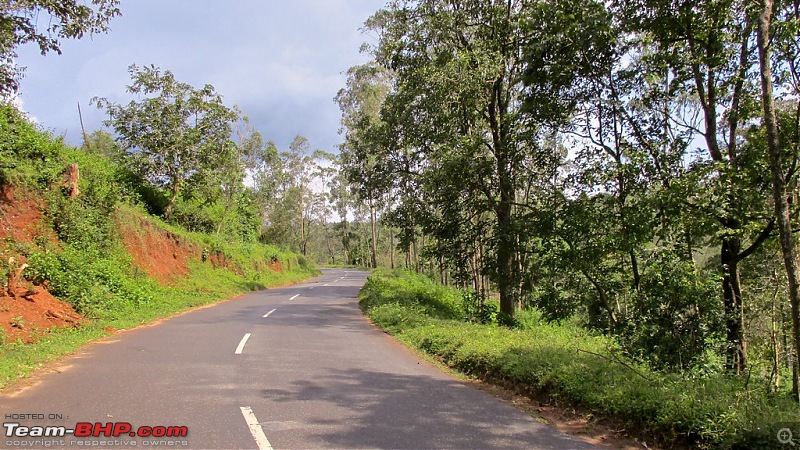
28, 311
29, 314
162, 255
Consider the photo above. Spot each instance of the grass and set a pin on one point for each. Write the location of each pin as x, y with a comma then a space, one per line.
573, 367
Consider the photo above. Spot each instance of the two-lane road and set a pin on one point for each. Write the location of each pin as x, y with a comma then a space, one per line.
296, 367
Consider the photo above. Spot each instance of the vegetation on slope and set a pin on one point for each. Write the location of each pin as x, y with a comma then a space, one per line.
572, 366
80, 252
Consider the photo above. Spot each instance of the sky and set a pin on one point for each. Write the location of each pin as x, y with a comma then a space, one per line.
281, 61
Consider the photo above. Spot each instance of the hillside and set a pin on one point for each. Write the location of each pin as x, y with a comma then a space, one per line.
26, 310
81, 257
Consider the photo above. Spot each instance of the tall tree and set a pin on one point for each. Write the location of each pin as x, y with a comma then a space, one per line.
458, 113
458, 70
363, 154
708, 48
174, 131
780, 193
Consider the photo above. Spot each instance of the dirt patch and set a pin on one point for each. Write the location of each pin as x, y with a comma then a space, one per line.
32, 312
21, 217
275, 265
219, 260
161, 254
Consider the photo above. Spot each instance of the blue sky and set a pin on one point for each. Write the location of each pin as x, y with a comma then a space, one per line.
281, 61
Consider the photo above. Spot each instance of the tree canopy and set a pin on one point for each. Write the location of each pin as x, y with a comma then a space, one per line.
174, 131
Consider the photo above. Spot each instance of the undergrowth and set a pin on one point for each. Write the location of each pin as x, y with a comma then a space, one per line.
570, 366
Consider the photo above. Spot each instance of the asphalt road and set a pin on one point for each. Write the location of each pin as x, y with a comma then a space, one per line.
313, 373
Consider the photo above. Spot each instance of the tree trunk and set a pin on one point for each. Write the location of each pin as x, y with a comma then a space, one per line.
505, 257
71, 179
779, 193
736, 359
346, 242
415, 255
373, 226
174, 196
391, 248
303, 233
228, 207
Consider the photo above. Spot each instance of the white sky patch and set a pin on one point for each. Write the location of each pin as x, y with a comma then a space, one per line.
18, 103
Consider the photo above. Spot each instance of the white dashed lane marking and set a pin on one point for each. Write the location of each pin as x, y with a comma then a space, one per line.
255, 429
240, 347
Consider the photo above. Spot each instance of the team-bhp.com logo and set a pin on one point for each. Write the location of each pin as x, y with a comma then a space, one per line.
97, 429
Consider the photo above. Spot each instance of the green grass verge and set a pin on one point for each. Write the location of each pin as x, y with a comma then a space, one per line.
571, 366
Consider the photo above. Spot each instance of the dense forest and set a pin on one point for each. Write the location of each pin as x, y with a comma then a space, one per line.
631, 165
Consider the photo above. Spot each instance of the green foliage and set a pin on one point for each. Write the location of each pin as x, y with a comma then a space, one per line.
555, 302
409, 288
476, 309
178, 130
97, 283
605, 160
572, 366
679, 315
27, 155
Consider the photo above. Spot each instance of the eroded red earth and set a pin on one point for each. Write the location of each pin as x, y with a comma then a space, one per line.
162, 255
28, 311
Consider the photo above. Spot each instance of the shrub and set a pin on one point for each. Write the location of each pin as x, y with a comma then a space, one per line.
680, 315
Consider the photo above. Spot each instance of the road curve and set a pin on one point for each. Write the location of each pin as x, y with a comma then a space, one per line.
296, 367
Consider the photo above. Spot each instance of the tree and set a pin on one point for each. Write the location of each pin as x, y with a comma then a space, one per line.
780, 193
474, 97
247, 152
22, 21
457, 67
360, 103
287, 183
707, 50
299, 164
174, 131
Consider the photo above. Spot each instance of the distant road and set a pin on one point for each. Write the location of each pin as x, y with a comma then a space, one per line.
296, 367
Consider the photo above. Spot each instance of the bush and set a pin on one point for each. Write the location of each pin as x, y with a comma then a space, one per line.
679, 317
27, 155
94, 283
411, 289
476, 309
